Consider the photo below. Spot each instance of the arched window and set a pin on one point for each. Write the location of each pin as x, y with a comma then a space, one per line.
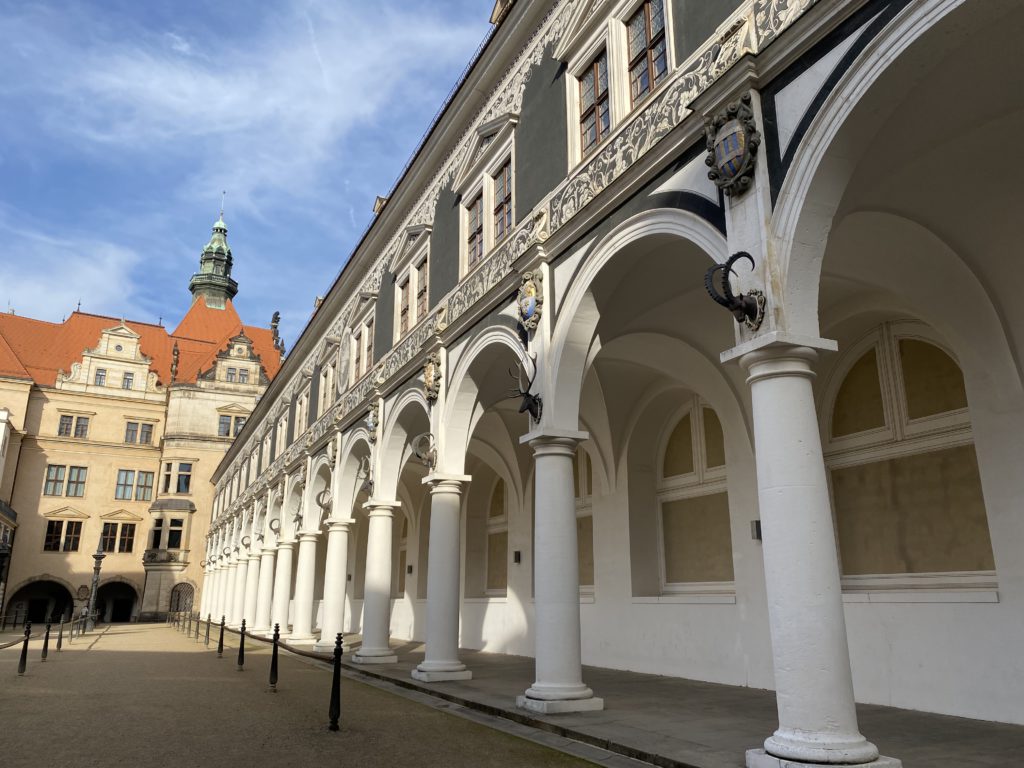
906, 491
693, 504
583, 488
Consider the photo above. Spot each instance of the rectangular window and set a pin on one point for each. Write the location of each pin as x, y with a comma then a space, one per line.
131, 431
101, 377
76, 481
648, 58
243, 376
503, 201
167, 477
239, 424
475, 229
595, 114
174, 534
422, 283
403, 308
144, 487
125, 484
64, 428
127, 381
357, 343
231, 374
54, 528
126, 541
224, 426
72, 535
54, 480
158, 529
108, 539
146, 434
184, 477
369, 343
82, 426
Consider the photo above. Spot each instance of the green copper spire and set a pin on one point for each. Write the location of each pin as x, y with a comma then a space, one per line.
213, 280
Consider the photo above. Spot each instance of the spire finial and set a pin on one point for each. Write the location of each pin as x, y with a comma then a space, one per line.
223, 194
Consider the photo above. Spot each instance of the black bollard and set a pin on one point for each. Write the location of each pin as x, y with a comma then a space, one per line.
46, 643
220, 643
273, 659
24, 649
241, 647
198, 622
60, 635
335, 710
207, 630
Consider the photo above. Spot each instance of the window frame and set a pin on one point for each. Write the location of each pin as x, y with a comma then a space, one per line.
900, 436
128, 380
410, 270
223, 425
81, 478
361, 344
124, 487
99, 378
47, 480
642, 6
65, 425
702, 481
144, 490
81, 428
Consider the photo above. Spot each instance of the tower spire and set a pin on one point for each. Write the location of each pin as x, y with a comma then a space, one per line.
213, 281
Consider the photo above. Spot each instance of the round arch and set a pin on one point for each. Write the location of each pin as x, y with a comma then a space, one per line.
39, 598
355, 449
407, 417
573, 339
320, 479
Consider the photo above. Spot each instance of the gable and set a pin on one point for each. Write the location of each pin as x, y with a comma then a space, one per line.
121, 515
66, 513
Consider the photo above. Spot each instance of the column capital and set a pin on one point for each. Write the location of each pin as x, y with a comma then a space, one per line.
381, 508
439, 482
781, 360
308, 535
554, 441
286, 543
338, 525
777, 340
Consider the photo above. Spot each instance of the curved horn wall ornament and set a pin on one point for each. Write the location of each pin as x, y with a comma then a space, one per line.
532, 404
424, 450
747, 308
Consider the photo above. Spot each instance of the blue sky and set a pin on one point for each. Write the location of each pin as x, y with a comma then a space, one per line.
124, 120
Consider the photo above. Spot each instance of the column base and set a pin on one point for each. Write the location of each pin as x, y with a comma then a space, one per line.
324, 646
357, 658
302, 639
559, 706
440, 676
758, 758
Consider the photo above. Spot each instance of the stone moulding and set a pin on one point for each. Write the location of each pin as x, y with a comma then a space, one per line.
755, 24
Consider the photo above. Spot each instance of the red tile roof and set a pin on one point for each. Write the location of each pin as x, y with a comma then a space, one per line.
38, 349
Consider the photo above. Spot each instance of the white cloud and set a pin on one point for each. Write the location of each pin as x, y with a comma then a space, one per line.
45, 277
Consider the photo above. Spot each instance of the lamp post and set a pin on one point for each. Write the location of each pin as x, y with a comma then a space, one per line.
98, 557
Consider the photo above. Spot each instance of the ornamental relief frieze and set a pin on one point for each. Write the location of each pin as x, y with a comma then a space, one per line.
750, 29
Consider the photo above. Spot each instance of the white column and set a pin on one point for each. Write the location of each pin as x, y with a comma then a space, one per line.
208, 591
377, 587
559, 684
814, 686
335, 581
282, 586
305, 576
265, 592
441, 660
237, 606
222, 585
252, 581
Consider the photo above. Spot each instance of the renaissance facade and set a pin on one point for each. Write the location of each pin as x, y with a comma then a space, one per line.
519, 423
110, 430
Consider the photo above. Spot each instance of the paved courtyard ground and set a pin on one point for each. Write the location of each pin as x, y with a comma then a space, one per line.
145, 695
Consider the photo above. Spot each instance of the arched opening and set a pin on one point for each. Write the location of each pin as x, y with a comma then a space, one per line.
182, 596
38, 602
116, 602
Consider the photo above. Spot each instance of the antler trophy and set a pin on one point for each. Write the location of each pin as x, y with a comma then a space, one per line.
531, 404
747, 309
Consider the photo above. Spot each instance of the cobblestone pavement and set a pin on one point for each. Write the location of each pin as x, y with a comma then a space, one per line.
145, 695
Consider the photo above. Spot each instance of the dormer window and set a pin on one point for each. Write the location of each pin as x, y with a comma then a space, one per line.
362, 343
412, 274
101, 377
243, 376
232, 372
128, 381
475, 231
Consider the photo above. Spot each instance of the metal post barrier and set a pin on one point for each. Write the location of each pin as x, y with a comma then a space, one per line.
241, 647
189, 631
207, 643
60, 635
198, 622
46, 643
220, 643
335, 709
273, 659
24, 649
